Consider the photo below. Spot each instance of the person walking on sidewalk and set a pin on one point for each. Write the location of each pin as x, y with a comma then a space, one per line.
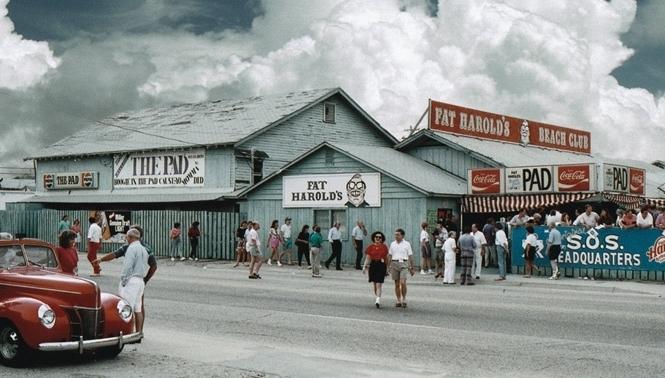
400, 264
449, 258
273, 242
478, 252
377, 253
501, 244
315, 240
94, 242
358, 235
241, 251
554, 249
468, 246
335, 239
254, 249
425, 249
530, 251
302, 242
176, 241
287, 242
194, 234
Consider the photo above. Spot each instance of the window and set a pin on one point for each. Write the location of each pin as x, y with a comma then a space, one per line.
11, 256
330, 158
257, 171
42, 256
325, 219
328, 112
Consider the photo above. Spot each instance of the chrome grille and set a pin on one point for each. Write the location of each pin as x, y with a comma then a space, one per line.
85, 322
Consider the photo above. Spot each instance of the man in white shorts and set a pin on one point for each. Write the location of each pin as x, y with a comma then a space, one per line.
134, 268
254, 249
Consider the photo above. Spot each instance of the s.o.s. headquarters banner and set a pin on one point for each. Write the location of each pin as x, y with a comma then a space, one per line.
603, 248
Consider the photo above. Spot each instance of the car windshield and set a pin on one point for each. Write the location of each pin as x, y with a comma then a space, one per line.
11, 256
42, 256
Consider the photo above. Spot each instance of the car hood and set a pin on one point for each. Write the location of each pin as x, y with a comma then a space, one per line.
50, 287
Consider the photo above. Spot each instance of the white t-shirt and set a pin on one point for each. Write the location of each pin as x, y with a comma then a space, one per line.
400, 251
95, 233
479, 237
501, 239
358, 233
556, 218
532, 240
587, 220
449, 246
286, 231
644, 222
424, 236
247, 231
253, 238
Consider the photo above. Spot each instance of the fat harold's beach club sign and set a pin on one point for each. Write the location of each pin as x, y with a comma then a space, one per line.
479, 124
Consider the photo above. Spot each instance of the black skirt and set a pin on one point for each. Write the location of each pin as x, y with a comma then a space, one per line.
377, 271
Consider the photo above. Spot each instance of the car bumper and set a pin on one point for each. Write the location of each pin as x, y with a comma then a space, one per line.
84, 345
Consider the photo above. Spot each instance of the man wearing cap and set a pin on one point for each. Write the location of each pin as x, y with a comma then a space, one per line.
134, 268
287, 241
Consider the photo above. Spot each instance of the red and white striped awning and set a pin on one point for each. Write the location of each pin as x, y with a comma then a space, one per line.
624, 200
507, 203
657, 202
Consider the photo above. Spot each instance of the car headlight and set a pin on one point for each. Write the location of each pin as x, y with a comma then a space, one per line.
125, 311
46, 316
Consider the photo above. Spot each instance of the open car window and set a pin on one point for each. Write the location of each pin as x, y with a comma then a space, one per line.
42, 256
11, 256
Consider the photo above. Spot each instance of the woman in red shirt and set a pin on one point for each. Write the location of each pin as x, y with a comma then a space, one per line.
66, 252
376, 253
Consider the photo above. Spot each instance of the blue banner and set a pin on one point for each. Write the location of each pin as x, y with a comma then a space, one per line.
602, 248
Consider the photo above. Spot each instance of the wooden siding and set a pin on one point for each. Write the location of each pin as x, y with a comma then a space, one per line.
217, 228
299, 134
446, 158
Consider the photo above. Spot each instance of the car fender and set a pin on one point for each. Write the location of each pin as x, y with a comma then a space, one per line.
114, 324
22, 312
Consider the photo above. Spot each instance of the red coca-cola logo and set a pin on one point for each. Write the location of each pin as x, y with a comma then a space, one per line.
486, 181
574, 178
636, 181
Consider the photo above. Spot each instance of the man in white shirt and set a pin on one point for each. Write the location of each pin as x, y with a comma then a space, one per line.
478, 253
644, 218
449, 257
94, 242
335, 239
134, 268
425, 250
287, 241
501, 242
254, 249
358, 235
588, 219
519, 219
399, 262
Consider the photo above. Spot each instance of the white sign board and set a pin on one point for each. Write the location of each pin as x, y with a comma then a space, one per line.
529, 179
332, 191
71, 180
159, 169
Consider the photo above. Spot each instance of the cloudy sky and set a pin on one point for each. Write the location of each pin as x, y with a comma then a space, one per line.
591, 64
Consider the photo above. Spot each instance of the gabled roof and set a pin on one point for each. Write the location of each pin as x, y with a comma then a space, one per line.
501, 154
211, 123
402, 167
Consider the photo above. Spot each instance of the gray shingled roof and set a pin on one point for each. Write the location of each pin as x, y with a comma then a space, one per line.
512, 155
132, 196
208, 123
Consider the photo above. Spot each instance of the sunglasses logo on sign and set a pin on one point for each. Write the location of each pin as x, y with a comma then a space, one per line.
525, 134
657, 251
355, 191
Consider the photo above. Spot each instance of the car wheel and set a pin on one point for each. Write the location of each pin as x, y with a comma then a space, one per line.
108, 352
13, 351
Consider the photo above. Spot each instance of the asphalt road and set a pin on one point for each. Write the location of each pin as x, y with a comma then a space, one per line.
210, 320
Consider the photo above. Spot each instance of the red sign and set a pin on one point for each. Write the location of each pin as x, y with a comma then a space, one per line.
475, 123
485, 181
574, 178
636, 178
657, 251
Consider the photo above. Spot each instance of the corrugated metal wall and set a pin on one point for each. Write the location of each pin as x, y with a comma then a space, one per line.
217, 228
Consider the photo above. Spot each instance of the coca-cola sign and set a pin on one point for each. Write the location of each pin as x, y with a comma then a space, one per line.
637, 178
575, 178
485, 181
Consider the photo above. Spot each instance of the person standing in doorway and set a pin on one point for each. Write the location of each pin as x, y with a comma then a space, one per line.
335, 239
273, 242
468, 246
377, 253
358, 235
254, 249
425, 250
315, 240
554, 249
194, 235
302, 242
400, 264
176, 240
94, 242
478, 253
489, 230
501, 244
287, 242
64, 224
449, 258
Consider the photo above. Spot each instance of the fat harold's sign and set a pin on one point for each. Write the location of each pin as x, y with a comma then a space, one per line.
159, 169
332, 191
476, 123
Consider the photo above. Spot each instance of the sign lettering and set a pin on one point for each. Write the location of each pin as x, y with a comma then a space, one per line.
160, 169
336, 190
70, 180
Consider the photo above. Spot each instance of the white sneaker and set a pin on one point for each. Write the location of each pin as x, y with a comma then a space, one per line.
309, 267
552, 278
430, 271
196, 259
269, 262
172, 258
377, 303
279, 263
191, 259
183, 258
422, 271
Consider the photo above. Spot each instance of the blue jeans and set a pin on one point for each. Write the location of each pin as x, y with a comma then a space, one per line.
501, 259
